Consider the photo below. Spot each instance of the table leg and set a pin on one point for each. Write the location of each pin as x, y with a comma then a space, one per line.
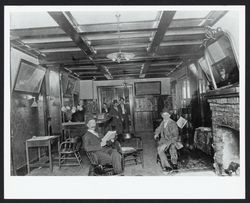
39, 153
58, 144
50, 158
27, 157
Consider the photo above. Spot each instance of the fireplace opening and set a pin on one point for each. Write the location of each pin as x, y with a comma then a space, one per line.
226, 150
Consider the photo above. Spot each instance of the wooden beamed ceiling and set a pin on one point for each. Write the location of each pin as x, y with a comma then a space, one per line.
159, 45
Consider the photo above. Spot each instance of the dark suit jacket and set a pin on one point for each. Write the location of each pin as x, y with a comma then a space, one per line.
78, 116
91, 142
103, 110
117, 122
126, 107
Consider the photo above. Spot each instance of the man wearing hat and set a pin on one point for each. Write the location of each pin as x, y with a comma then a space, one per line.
105, 155
168, 135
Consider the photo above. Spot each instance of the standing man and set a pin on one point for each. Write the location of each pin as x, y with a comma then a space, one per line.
105, 155
125, 112
115, 114
168, 136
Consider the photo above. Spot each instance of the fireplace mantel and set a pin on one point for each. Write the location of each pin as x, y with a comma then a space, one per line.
225, 92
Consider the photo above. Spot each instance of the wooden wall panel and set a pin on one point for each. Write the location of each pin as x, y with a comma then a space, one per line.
25, 122
143, 121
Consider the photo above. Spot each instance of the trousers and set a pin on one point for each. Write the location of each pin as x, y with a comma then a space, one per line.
173, 153
110, 156
125, 123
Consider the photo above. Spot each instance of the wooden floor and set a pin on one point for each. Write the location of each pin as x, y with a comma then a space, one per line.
151, 168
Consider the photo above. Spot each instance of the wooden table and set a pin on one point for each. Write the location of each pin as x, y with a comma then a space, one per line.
41, 141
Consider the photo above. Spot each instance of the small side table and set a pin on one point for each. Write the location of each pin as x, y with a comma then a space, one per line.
41, 141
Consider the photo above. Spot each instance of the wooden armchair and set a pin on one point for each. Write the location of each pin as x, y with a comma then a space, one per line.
70, 150
132, 150
96, 169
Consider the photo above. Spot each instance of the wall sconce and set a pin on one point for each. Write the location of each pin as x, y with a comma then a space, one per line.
34, 104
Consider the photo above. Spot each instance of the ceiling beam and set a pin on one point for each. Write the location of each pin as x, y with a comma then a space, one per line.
165, 20
105, 61
128, 46
44, 38
144, 69
127, 66
56, 33
69, 29
213, 17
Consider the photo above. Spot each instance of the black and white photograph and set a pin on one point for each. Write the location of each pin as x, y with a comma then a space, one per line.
115, 95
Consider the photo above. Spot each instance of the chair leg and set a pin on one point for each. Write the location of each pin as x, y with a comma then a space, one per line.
123, 162
135, 157
59, 160
78, 157
142, 160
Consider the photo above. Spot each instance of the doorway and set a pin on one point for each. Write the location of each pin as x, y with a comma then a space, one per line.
106, 94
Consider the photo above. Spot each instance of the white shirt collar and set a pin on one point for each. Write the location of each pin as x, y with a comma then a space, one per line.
165, 123
93, 132
123, 109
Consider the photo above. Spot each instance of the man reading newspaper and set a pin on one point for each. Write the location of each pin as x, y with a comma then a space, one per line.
99, 147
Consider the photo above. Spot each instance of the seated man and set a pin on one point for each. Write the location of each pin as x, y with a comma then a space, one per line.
105, 155
169, 140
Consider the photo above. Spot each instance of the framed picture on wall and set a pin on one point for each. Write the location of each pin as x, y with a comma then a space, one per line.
148, 88
29, 77
70, 86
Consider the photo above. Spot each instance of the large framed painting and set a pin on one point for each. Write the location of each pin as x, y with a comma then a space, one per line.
148, 88
70, 86
29, 77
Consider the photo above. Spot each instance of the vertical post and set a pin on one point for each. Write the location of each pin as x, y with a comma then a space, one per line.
58, 149
186, 107
50, 156
61, 97
27, 157
39, 153
199, 94
13, 168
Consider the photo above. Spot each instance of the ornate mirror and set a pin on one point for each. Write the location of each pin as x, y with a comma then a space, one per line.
222, 64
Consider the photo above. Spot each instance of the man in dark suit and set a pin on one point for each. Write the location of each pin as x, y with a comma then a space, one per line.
115, 114
105, 155
124, 112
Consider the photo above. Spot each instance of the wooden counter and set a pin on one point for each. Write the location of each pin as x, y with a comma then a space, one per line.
72, 129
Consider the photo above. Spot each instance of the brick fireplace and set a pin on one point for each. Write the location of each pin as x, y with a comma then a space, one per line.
224, 105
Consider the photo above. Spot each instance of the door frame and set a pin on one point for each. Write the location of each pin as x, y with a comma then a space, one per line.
131, 99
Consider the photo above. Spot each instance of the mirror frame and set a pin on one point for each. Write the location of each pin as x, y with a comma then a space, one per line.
212, 35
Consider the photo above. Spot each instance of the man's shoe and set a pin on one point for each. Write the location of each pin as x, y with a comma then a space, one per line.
167, 169
175, 167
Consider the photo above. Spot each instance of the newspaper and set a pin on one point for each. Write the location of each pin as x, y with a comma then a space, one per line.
181, 122
109, 136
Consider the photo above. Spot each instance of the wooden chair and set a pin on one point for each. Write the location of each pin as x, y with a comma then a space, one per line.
132, 150
70, 150
158, 160
107, 170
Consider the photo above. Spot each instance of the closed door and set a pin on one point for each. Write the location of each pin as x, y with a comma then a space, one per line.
144, 111
143, 121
